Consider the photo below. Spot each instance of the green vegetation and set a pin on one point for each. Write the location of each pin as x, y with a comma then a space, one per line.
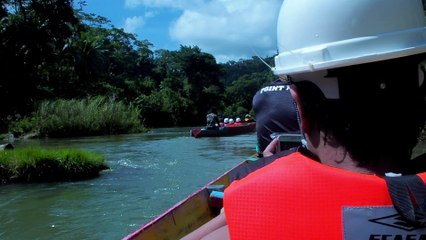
53, 51
86, 117
92, 116
40, 165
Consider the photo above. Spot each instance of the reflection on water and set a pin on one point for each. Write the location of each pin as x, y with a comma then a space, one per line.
149, 174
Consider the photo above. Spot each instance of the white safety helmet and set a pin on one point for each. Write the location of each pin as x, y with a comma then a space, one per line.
319, 35
238, 119
226, 120
231, 121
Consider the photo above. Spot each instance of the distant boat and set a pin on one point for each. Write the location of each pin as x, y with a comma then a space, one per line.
231, 130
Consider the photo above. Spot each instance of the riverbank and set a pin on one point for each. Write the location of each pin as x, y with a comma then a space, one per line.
42, 165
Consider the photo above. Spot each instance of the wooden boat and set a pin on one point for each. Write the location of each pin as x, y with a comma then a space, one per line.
224, 131
197, 209
201, 206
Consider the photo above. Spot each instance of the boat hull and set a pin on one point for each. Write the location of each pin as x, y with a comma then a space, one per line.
224, 131
195, 210
202, 206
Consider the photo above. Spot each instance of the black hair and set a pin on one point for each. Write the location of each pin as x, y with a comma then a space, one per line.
380, 113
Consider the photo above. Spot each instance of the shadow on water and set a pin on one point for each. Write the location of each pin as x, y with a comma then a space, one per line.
149, 173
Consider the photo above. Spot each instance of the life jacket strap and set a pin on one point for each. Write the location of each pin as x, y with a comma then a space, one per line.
408, 194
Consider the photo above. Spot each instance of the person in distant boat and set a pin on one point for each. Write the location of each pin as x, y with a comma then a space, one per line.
212, 119
225, 121
275, 112
248, 118
238, 121
231, 122
354, 178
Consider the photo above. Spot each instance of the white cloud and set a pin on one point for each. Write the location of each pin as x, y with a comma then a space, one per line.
228, 29
131, 24
180, 4
150, 14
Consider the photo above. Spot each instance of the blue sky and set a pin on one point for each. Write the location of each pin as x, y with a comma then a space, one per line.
228, 29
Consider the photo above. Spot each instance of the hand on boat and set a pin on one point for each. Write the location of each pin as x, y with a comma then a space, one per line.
272, 147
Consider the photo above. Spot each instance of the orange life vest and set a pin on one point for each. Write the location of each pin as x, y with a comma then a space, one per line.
297, 198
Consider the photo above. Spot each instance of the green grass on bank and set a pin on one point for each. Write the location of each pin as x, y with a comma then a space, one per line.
93, 116
42, 165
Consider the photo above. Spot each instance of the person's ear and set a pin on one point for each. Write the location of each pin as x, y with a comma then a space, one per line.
303, 121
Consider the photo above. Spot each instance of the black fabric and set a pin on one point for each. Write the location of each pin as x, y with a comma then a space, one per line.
408, 194
275, 111
212, 120
416, 165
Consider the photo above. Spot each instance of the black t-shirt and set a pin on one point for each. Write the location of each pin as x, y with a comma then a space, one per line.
275, 111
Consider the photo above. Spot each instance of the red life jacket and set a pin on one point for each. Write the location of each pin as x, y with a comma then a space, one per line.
297, 198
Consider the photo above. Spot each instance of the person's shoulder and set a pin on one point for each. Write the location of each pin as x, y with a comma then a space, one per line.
282, 169
280, 160
277, 82
290, 158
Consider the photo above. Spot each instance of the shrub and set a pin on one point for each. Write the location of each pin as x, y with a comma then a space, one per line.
41, 165
21, 126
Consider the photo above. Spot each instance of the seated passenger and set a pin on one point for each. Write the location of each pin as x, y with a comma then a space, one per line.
231, 122
238, 121
212, 119
275, 113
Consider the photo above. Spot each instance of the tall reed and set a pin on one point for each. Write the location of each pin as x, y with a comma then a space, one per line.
87, 117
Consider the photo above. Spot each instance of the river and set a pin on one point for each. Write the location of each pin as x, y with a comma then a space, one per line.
149, 174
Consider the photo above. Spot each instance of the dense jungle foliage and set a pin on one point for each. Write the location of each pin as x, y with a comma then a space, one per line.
52, 50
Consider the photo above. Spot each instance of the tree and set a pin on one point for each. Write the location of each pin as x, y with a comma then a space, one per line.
242, 79
194, 77
234, 70
31, 33
240, 93
48, 50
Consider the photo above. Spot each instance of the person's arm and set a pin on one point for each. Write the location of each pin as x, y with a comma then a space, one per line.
214, 229
271, 148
